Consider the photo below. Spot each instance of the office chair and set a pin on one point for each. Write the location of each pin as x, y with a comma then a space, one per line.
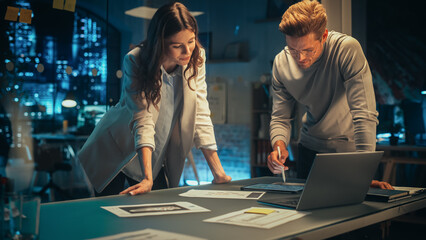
49, 158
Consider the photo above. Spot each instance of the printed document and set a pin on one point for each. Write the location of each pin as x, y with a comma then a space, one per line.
150, 234
222, 194
258, 217
155, 209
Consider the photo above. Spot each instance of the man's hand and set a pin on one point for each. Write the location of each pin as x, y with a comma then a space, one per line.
382, 185
144, 186
275, 164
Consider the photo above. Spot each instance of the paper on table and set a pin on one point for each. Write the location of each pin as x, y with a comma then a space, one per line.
266, 221
222, 194
411, 190
155, 209
151, 234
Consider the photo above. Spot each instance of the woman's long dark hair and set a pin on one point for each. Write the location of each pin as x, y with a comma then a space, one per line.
167, 21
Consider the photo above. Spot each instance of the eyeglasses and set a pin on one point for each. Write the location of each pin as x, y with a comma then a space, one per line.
306, 53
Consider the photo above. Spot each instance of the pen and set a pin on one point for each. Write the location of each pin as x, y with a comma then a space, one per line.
279, 157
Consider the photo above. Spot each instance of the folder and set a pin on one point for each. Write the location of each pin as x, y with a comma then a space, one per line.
385, 195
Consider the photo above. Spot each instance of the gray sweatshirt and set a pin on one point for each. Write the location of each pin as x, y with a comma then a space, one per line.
338, 95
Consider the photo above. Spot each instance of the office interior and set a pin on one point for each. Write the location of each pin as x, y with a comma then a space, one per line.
52, 53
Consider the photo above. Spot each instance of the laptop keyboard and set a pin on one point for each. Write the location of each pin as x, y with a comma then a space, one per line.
291, 201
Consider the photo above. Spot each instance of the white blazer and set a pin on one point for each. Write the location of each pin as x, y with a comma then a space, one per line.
127, 125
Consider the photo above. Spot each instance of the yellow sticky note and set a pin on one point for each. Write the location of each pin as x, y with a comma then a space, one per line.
58, 4
260, 211
11, 14
70, 5
25, 16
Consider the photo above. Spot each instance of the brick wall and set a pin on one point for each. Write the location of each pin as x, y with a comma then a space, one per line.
233, 141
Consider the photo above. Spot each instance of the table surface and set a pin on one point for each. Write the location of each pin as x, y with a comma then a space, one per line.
83, 219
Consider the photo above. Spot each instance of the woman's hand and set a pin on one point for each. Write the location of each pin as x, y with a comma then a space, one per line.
215, 166
222, 179
382, 185
144, 186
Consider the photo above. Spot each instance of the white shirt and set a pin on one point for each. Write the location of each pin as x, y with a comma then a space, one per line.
170, 110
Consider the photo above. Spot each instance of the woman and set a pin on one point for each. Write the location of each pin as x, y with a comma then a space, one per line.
162, 113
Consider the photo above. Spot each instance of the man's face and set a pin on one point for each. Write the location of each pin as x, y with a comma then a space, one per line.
305, 50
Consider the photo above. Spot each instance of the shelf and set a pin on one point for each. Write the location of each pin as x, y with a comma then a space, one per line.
261, 146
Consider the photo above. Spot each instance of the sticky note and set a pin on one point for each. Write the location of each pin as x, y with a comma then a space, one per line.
70, 5
260, 211
58, 4
25, 16
11, 14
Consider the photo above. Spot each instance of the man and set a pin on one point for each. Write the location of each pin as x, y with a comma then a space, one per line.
328, 73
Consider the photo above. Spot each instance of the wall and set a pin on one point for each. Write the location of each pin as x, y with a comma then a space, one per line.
234, 21
339, 15
233, 142
348, 17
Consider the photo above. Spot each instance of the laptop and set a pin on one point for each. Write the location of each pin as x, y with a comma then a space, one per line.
335, 179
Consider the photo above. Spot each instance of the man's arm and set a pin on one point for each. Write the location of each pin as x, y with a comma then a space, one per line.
360, 94
280, 126
282, 110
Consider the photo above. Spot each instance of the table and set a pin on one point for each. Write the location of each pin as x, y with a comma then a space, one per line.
72, 143
390, 158
83, 219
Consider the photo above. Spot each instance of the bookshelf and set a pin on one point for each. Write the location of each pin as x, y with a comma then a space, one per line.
261, 109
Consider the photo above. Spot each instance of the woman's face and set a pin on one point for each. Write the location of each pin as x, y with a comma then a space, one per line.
178, 49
